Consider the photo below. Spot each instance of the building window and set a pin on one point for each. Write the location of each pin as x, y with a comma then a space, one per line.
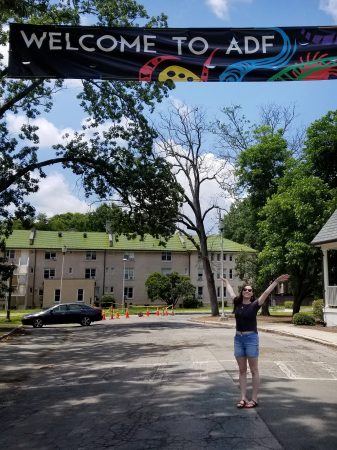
166, 270
111, 289
90, 273
231, 257
129, 256
50, 256
224, 256
166, 256
90, 255
199, 276
70, 270
128, 292
129, 273
200, 292
218, 256
57, 295
230, 274
80, 295
49, 273
10, 254
212, 256
218, 291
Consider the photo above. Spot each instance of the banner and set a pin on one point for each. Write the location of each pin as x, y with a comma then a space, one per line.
161, 54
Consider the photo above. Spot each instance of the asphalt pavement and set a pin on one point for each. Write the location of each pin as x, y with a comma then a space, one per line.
134, 384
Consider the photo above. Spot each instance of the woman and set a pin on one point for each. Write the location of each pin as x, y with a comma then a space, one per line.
246, 340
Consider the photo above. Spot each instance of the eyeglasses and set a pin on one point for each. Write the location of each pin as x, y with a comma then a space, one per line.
248, 290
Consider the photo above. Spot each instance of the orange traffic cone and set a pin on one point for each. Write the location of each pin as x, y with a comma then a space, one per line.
147, 312
157, 312
103, 315
112, 314
127, 314
117, 315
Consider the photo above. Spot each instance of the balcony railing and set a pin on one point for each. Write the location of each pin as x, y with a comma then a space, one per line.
332, 296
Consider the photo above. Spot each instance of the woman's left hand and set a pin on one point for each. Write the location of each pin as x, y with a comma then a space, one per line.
281, 278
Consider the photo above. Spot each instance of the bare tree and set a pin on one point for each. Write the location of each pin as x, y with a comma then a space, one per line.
182, 136
237, 133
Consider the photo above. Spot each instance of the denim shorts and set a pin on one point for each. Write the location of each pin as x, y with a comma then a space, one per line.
246, 345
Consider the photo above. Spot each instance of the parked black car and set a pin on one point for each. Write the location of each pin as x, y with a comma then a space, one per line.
64, 313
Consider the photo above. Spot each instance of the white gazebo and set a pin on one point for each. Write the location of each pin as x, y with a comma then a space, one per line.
326, 239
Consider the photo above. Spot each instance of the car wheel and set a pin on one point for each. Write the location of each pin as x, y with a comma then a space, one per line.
85, 321
37, 323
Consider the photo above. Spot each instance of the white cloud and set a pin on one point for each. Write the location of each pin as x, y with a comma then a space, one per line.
329, 7
221, 8
55, 197
48, 133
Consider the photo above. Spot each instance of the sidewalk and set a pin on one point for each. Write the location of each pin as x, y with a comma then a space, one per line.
314, 333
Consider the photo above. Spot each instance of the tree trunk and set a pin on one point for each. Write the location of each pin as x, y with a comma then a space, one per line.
298, 298
265, 308
211, 286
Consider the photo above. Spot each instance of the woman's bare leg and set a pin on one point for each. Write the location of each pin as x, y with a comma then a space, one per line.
242, 363
254, 369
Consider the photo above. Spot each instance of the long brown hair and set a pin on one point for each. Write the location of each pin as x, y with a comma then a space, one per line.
239, 298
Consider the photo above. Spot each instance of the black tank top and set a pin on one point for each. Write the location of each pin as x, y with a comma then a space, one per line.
245, 316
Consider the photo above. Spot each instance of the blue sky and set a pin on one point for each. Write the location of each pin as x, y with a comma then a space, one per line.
312, 99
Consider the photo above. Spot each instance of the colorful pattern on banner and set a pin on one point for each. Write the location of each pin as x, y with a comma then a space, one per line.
162, 54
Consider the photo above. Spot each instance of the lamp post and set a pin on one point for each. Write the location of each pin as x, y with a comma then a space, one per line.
64, 251
222, 267
123, 296
9, 293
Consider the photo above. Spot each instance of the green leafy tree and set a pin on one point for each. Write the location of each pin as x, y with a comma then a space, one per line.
320, 151
239, 224
119, 163
169, 288
260, 166
291, 219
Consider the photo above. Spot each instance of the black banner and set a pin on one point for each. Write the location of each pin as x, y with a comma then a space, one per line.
161, 54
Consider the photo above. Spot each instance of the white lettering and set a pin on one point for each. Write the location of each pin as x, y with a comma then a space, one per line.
254, 41
81, 39
33, 38
198, 52
54, 38
234, 45
149, 44
180, 40
265, 44
124, 43
107, 37
68, 46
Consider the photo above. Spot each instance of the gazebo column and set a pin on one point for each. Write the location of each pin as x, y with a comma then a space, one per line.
325, 276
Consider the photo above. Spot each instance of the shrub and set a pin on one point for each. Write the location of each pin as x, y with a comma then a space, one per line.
288, 304
108, 300
317, 309
190, 302
303, 319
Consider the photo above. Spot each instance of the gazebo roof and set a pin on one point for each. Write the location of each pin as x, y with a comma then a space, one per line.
328, 232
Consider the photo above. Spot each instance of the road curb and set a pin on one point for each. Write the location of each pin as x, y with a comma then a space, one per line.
267, 330
10, 333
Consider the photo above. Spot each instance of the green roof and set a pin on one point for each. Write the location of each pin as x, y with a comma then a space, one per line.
100, 241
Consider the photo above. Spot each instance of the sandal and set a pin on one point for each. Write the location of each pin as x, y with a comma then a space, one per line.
241, 404
251, 404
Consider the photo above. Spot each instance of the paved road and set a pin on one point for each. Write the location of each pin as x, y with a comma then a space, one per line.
153, 383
